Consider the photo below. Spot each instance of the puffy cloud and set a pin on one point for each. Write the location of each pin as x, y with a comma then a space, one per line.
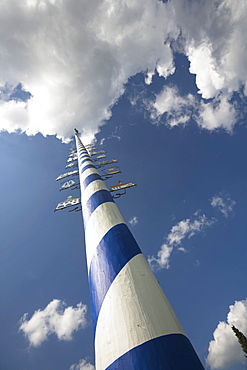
223, 203
54, 319
75, 57
188, 228
213, 39
214, 42
82, 365
225, 351
208, 79
220, 113
133, 221
163, 258
177, 108
185, 228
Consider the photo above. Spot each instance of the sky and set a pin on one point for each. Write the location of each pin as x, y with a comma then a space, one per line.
162, 88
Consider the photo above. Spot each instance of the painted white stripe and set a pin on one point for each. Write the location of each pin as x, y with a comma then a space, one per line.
91, 189
101, 220
85, 163
84, 155
134, 311
86, 194
86, 173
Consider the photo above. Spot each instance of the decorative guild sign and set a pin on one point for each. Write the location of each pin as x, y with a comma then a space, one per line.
73, 164
90, 147
74, 204
76, 172
101, 156
69, 184
122, 185
111, 171
72, 159
72, 152
69, 202
103, 163
100, 152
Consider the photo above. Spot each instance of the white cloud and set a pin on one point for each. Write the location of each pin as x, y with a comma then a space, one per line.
54, 319
133, 221
185, 228
75, 57
225, 351
219, 113
82, 365
202, 63
223, 203
177, 108
214, 41
163, 258
188, 228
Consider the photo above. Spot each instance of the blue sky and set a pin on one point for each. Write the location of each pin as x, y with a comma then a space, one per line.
162, 88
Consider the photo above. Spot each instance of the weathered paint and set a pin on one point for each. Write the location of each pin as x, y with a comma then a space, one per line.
168, 352
134, 324
142, 315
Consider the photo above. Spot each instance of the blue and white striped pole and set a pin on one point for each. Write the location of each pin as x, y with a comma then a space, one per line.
135, 327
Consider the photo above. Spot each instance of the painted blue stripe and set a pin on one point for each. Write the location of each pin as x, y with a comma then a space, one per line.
115, 249
99, 197
91, 178
85, 155
85, 160
86, 167
169, 352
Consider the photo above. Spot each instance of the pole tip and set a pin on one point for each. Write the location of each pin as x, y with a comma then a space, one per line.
76, 131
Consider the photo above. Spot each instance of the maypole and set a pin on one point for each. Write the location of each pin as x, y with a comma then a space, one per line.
135, 327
